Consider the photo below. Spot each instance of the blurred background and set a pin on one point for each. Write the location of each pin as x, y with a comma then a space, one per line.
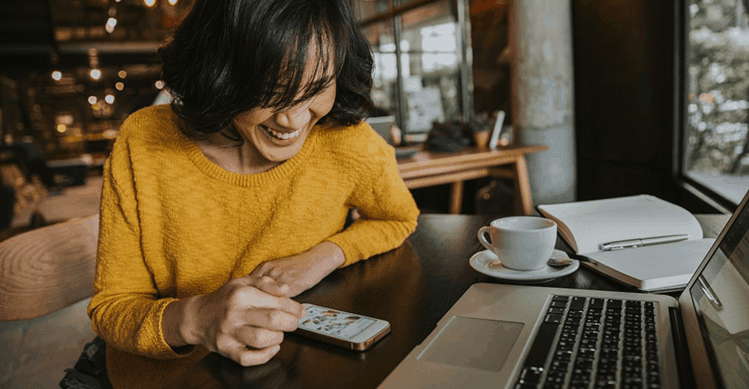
72, 70
657, 91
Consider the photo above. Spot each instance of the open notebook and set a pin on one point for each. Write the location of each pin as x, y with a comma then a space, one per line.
590, 227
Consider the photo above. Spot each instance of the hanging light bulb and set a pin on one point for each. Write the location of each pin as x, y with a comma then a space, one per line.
111, 22
92, 100
149, 3
172, 2
119, 86
56, 74
109, 99
93, 61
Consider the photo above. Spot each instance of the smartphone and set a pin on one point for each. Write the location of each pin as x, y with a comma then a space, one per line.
355, 332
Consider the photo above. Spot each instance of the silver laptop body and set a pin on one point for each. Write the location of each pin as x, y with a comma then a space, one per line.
488, 338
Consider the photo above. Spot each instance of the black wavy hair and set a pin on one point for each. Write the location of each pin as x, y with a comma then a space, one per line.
230, 56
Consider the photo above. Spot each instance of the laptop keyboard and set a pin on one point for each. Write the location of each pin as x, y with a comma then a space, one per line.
594, 343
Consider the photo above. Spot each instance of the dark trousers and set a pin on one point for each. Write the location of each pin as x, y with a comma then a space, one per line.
90, 372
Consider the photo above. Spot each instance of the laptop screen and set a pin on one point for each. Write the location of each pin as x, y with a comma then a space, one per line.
721, 296
382, 124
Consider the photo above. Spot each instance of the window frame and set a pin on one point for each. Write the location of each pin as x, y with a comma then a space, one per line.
694, 189
396, 8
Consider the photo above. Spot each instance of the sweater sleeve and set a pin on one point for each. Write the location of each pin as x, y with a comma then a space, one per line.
388, 215
126, 308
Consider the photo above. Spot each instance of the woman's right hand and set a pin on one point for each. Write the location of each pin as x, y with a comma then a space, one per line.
243, 320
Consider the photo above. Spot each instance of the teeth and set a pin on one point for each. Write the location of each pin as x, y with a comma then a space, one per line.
282, 135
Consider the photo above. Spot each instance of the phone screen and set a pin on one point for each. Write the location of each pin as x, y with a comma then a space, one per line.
334, 323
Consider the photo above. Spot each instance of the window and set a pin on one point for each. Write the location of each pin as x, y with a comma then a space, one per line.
424, 77
716, 145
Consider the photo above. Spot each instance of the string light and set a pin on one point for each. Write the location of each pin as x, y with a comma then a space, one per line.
93, 61
122, 74
149, 3
92, 100
159, 84
57, 75
172, 2
109, 99
119, 86
111, 22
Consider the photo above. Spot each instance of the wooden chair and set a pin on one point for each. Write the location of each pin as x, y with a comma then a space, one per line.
47, 269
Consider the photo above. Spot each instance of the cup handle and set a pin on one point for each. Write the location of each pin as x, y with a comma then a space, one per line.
482, 237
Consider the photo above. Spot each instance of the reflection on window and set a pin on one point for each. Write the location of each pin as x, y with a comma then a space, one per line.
439, 45
432, 88
385, 64
717, 145
427, 85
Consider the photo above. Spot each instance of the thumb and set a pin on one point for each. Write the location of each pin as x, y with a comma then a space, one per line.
267, 284
272, 295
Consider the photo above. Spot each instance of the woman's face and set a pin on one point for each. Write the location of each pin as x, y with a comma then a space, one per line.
279, 135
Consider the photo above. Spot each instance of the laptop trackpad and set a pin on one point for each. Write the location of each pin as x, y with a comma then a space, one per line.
475, 343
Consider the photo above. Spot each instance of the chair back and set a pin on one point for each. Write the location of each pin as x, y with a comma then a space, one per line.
47, 269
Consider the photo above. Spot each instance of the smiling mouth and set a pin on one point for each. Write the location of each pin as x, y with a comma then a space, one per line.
281, 135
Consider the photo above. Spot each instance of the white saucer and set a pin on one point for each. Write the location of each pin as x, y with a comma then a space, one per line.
481, 260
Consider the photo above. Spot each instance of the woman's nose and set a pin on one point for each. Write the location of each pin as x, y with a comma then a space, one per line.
294, 118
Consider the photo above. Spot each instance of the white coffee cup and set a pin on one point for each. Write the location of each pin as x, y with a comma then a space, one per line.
521, 242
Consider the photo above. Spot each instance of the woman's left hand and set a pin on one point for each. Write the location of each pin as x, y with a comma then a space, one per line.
303, 271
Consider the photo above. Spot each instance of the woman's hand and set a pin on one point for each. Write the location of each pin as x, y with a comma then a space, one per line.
243, 320
303, 271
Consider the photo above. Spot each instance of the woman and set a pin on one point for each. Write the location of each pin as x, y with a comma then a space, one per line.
219, 208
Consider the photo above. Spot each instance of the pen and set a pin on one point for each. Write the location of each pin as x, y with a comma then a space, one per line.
623, 244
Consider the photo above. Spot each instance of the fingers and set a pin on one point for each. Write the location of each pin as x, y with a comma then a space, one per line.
258, 338
261, 269
271, 285
269, 295
248, 356
272, 319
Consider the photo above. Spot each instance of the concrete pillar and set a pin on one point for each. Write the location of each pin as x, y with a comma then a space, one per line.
543, 94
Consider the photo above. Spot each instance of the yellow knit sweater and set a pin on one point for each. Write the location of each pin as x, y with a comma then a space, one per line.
173, 224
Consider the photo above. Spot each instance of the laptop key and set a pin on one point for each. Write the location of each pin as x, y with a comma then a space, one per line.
556, 311
578, 303
612, 303
541, 345
530, 375
558, 304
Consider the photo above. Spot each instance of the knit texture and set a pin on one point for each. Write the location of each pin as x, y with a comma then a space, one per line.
174, 224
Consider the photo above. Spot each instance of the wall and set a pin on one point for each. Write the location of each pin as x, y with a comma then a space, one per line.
624, 83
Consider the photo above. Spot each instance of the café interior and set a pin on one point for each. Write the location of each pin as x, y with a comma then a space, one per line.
493, 107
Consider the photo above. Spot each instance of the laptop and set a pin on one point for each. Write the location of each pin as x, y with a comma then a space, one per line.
509, 336
382, 125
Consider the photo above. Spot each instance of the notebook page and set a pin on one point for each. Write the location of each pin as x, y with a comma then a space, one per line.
593, 223
667, 265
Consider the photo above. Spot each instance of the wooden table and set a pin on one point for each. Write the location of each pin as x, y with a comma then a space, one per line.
429, 168
411, 287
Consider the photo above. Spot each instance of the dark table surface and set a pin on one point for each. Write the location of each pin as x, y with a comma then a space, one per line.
411, 287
